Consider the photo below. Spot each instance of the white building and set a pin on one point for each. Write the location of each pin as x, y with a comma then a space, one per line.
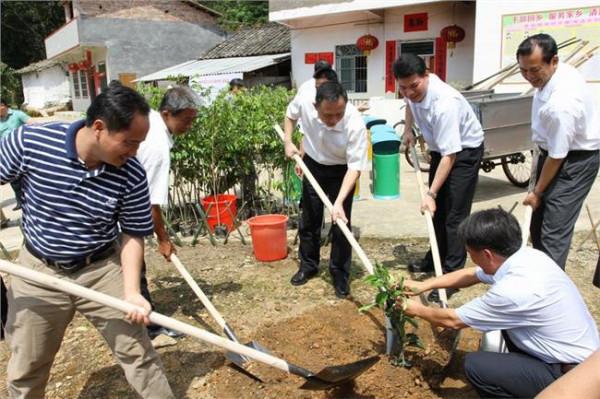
108, 40
493, 29
45, 84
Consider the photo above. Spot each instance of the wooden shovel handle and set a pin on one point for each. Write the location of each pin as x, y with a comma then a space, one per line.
199, 293
435, 252
528, 209
125, 307
343, 227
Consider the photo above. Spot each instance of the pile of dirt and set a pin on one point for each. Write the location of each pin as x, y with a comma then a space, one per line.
336, 335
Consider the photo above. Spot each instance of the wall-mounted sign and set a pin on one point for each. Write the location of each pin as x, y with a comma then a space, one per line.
312, 58
582, 23
415, 22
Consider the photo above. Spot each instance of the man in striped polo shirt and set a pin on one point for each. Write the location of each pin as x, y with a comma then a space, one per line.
83, 189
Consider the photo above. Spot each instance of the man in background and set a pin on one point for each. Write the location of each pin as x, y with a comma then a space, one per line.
175, 116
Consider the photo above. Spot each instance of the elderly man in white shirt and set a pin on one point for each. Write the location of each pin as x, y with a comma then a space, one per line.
177, 111
544, 320
335, 151
566, 126
455, 139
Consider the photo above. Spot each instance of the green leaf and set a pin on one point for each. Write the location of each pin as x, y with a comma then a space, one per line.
412, 321
381, 298
366, 308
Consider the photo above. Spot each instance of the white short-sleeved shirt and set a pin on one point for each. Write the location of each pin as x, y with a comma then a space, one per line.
564, 115
155, 155
446, 119
308, 89
344, 144
539, 306
307, 92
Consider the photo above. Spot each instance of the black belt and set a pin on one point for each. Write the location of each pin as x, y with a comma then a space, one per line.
572, 152
566, 367
71, 266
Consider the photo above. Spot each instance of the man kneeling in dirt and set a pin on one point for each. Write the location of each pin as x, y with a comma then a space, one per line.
83, 188
544, 321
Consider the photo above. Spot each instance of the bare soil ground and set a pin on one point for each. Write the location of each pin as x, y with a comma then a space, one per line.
306, 325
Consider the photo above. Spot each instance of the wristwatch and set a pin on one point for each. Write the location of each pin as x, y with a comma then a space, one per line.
539, 194
432, 194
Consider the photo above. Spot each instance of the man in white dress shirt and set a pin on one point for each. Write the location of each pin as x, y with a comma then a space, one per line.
544, 321
335, 151
566, 126
455, 138
175, 116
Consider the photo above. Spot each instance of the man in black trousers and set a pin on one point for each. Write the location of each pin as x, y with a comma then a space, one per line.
335, 151
565, 124
455, 138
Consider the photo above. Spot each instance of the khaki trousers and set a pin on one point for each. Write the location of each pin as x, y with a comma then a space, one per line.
38, 317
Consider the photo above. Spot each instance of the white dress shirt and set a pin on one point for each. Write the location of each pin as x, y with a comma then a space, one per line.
539, 306
343, 144
155, 155
564, 115
308, 89
306, 92
446, 119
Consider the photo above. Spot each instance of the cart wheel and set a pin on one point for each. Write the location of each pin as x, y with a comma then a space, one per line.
517, 168
422, 154
421, 147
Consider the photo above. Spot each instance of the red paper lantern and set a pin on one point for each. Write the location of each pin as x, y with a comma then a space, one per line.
367, 43
73, 67
452, 35
84, 65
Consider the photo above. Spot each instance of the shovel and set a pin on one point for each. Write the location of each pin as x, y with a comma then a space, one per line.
235, 358
528, 209
435, 253
328, 377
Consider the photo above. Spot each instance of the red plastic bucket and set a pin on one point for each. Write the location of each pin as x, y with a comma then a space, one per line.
269, 237
220, 210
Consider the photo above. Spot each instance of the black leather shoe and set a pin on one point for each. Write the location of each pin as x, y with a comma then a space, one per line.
301, 277
17, 207
155, 332
342, 291
420, 266
434, 296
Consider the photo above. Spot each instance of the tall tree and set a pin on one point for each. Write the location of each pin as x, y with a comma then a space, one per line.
239, 13
24, 26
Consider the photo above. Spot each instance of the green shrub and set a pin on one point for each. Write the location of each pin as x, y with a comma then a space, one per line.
230, 140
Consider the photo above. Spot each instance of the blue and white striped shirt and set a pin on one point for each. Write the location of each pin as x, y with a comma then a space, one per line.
68, 210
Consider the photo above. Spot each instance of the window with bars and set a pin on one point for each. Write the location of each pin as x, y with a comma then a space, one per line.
351, 66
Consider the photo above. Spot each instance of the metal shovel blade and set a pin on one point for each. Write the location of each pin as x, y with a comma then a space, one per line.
240, 362
333, 376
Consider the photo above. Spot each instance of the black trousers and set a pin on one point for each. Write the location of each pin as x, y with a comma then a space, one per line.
509, 375
330, 179
553, 222
146, 293
3, 308
453, 205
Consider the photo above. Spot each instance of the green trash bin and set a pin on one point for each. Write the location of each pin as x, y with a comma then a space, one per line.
293, 185
386, 166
